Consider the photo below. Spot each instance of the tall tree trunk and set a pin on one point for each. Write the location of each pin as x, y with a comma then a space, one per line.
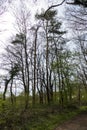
12, 98
6, 86
35, 56
47, 63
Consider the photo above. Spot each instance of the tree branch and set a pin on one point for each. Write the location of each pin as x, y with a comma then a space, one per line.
52, 6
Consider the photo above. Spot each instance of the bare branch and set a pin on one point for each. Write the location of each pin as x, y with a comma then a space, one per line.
53, 6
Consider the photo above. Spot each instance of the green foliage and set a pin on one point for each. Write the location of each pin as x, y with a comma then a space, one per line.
55, 26
18, 39
80, 2
37, 117
50, 121
14, 71
46, 16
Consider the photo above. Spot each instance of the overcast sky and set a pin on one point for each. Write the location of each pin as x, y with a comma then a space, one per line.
7, 20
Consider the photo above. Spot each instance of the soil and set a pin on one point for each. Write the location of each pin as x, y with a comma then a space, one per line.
77, 123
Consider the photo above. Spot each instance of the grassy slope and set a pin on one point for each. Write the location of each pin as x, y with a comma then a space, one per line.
39, 117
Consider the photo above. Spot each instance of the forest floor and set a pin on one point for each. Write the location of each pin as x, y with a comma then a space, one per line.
77, 123
42, 117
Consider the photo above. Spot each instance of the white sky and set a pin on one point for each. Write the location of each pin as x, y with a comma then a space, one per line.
7, 20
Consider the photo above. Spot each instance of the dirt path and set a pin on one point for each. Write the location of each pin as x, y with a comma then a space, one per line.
77, 123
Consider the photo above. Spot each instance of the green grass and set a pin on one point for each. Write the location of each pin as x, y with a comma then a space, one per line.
50, 121
37, 117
